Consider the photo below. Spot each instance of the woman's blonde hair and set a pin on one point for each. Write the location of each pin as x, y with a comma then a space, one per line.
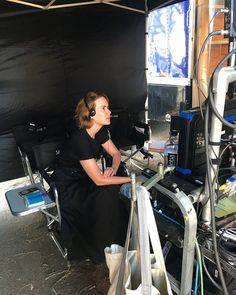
84, 107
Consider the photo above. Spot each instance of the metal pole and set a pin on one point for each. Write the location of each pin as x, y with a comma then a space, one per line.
146, 59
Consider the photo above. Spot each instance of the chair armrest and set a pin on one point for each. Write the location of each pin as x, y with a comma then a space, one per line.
146, 128
46, 177
141, 124
53, 189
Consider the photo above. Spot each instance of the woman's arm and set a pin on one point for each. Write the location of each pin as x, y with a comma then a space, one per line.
91, 168
111, 149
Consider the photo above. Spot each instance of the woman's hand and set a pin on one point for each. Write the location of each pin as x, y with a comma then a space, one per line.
109, 171
108, 178
111, 149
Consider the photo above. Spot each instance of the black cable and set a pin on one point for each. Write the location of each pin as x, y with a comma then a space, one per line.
215, 15
212, 203
227, 249
198, 203
209, 276
216, 173
215, 179
197, 67
224, 175
210, 186
233, 169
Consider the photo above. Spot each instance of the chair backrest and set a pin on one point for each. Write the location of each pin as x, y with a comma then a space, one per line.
121, 123
124, 129
32, 134
25, 139
45, 155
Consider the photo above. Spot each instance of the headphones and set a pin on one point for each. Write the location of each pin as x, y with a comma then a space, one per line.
92, 111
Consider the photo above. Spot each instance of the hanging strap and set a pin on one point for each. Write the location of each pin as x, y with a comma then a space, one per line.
154, 236
152, 228
146, 228
146, 276
120, 281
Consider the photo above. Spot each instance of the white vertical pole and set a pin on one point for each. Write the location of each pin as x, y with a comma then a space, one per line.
191, 31
221, 81
232, 45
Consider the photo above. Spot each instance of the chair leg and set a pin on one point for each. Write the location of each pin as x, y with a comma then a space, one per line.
49, 222
59, 247
50, 218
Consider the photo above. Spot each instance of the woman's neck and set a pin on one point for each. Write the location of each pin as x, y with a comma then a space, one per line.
92, 131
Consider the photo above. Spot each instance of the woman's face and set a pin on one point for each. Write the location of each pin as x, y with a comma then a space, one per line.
103, 114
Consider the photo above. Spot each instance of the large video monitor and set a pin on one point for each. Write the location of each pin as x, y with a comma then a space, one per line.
169, 45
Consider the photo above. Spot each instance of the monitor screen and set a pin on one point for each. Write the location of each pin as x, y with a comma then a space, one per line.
168, 47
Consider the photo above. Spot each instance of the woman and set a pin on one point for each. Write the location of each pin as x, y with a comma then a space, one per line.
93, 216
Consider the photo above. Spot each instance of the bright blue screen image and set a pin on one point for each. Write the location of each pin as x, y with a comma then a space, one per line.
168, 45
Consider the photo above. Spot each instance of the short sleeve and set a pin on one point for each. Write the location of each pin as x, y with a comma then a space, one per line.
103, 135
81, 147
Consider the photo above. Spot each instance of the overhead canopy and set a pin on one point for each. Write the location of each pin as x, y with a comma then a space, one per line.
141, 6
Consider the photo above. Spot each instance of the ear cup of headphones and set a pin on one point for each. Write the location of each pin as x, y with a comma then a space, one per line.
92, 112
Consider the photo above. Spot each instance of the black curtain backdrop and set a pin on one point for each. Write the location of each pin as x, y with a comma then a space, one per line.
49, 60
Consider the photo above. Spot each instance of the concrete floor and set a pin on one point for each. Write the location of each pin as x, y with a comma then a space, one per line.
31, 264
29, 260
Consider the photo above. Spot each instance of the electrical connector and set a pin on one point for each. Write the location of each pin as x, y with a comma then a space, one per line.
224, 10
229, 19
224, 32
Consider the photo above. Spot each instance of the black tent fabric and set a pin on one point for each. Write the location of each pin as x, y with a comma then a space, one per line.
49, 60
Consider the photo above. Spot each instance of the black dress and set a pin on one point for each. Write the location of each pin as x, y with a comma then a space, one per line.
93, 217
